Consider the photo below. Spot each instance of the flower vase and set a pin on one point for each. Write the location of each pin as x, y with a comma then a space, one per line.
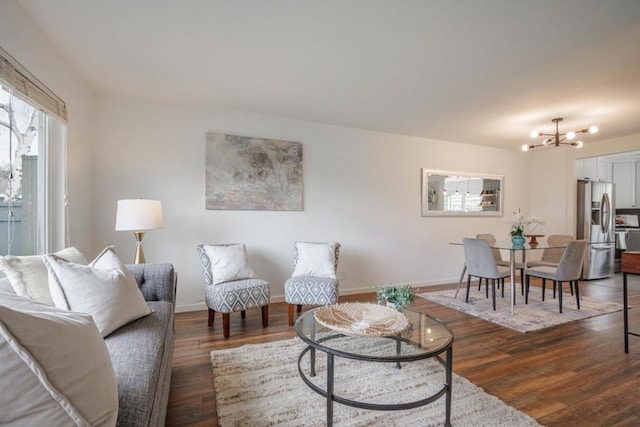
517, 240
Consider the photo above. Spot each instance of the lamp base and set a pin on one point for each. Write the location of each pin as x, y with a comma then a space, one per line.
139, 258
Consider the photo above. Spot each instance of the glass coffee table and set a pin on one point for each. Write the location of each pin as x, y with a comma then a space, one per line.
425, 338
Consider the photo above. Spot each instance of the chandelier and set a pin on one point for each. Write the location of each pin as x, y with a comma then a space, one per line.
558, 138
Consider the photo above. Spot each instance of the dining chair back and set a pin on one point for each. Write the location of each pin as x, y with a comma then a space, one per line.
551, 256
570, 266
491, 239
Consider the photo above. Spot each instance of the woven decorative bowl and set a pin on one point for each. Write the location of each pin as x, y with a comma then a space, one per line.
355, 318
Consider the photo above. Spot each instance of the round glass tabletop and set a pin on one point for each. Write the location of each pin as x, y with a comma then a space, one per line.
423, 337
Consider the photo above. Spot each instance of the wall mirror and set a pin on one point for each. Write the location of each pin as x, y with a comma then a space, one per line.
446, 193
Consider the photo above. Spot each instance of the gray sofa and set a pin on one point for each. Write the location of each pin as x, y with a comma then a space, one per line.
142, 351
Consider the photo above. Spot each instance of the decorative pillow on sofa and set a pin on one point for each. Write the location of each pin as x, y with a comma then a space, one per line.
55, 368
105, 289
28, 274
228, 262
316, 259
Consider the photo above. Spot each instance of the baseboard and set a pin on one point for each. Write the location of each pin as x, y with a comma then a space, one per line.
200, 305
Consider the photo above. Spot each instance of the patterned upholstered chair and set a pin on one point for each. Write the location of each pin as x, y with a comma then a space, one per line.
230, 284
314, 280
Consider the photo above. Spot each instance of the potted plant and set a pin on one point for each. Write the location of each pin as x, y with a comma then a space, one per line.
517, 231
518, 227
395, 296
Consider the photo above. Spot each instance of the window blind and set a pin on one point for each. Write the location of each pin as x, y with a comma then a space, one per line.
29, 88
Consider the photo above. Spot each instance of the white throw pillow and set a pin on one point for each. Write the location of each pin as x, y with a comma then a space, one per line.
228, 262
28, 274
55, 370
105, 289
316, 259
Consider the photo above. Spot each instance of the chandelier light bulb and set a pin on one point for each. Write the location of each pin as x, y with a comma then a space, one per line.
525, 147
535, 134
571, 135
579, 144
593, 129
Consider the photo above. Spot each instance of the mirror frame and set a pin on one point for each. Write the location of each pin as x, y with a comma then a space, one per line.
427, 193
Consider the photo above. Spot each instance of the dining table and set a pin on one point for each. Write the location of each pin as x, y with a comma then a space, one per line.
513, 249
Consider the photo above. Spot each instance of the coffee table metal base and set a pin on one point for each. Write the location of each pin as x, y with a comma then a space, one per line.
331, 397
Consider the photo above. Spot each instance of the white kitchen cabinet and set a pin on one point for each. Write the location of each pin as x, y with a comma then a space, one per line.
624, 176
605, 171
594, 169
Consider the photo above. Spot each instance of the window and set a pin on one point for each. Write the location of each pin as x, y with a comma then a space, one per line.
32, 195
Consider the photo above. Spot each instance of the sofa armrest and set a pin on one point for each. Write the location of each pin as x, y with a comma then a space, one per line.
156, 281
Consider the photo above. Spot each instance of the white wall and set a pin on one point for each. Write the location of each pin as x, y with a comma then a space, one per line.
361, 188
553, 180
25, 42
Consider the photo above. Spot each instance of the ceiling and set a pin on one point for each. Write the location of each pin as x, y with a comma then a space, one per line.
481, 72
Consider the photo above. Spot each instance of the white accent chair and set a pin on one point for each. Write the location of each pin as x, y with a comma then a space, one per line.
314, 280
231, 295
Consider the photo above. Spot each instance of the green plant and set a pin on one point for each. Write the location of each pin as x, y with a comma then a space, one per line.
399, 296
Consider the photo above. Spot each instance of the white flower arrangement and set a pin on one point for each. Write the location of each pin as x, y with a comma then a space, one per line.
520, 224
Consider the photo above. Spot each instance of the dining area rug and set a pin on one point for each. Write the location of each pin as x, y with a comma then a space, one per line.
535, 315
259, 385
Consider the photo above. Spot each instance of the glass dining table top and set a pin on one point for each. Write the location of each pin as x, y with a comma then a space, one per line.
506, 244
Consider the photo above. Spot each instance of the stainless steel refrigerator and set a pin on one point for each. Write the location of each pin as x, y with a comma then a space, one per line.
596, 225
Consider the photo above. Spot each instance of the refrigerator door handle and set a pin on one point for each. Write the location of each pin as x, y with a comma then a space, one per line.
605, 213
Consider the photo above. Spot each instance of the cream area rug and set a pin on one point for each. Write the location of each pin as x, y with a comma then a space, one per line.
259, 385
536, 315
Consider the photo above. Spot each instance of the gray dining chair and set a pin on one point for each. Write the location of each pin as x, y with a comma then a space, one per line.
481, 263
491, 239
568, 270
551, 256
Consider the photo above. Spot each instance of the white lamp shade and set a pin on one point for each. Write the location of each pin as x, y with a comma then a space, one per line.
139, 215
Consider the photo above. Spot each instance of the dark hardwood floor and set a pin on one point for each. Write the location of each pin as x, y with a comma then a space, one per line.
569, 375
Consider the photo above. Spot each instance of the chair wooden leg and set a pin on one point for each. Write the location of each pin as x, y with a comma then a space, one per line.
554, 289
225, 324
486, 287
299, 308
571, 286
522, 281
544, 285
559, 294
527, 279
265, 316
291, 307
502, 281
479, 283
468, 287
212, 315
577, 295
243, 314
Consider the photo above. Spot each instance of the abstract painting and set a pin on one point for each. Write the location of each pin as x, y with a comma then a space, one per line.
246, 173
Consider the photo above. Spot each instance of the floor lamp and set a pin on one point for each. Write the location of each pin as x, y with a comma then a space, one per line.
139, 215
